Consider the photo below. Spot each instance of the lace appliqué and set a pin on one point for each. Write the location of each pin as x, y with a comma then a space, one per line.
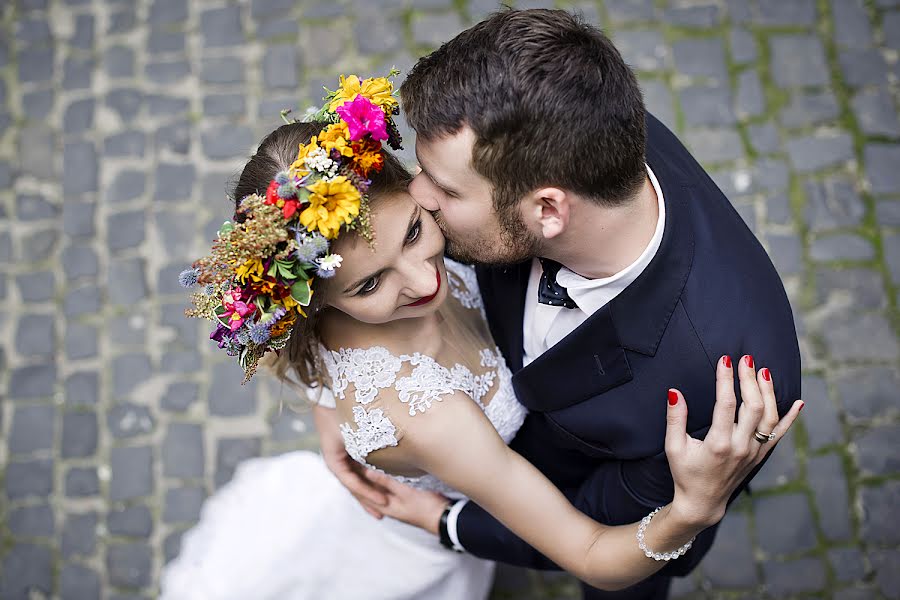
464, 285
430, 380
374, 431
367, 369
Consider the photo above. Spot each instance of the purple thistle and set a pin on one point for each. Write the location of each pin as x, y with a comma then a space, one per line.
325, 274
287, 190
306, 253
259, 334
188, 277
282, 178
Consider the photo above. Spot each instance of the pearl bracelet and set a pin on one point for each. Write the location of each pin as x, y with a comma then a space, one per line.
658, 555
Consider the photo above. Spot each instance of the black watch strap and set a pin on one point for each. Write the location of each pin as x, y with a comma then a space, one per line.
444, 531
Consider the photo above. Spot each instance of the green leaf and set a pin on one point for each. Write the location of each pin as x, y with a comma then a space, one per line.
226, 227
220, 310
301, 292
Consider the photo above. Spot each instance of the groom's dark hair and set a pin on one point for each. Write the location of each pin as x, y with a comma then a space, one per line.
550, 99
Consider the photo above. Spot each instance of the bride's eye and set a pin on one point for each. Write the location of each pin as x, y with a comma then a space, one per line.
413, 234
368, 287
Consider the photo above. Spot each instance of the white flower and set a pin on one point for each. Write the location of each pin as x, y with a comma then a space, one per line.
330, 262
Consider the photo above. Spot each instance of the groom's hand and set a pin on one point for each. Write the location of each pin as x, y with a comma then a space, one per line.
405, 503
348, 471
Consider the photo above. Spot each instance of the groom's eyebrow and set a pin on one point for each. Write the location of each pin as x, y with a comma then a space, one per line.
446, 188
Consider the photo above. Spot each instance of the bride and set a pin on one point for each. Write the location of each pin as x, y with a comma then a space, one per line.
332, 265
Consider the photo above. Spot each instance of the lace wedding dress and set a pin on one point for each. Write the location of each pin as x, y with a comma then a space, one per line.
284, 528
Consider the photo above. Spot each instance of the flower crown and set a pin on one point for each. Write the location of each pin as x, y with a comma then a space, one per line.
259, 275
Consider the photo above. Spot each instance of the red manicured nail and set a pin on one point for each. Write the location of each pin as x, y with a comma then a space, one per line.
673, 397
802, 404
766, 374
749, 360
726, 360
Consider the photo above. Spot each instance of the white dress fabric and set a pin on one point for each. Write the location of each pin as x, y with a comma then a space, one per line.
284, 528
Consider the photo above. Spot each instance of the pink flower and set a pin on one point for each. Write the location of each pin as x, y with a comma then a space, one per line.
236, 310
363, 117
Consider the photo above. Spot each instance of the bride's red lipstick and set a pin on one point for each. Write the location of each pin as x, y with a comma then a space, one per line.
427, 299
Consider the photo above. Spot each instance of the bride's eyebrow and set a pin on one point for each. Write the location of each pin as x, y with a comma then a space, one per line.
412, 219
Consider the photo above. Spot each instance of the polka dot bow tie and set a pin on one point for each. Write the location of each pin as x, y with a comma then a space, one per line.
549, 291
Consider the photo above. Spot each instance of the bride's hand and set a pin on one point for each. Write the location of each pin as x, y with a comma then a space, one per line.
707, 472
415, 507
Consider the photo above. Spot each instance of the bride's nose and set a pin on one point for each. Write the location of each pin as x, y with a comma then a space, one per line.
420, 279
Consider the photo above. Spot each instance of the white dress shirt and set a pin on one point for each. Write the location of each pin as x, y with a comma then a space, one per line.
543, 326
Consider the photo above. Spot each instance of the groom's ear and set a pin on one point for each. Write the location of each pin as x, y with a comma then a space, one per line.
548, 209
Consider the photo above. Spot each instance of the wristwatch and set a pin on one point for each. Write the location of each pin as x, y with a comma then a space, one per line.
444, 531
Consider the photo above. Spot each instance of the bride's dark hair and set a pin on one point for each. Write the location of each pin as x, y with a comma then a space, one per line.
299, 361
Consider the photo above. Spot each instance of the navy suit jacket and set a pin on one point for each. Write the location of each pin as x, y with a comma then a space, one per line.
598, 397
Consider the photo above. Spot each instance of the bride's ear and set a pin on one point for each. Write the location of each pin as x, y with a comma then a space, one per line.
548, 210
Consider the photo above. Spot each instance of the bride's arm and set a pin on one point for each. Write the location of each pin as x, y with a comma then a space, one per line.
455, 442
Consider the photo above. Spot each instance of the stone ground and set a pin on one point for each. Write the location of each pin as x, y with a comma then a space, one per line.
121, 122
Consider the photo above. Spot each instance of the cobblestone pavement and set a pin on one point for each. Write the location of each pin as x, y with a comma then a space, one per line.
121, 122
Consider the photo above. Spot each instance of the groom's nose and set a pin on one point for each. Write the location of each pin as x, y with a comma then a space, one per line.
422, 194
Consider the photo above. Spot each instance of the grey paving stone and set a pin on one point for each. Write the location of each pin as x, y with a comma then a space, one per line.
851, 23
377, 31
220, 105
288, 426
750, 98
79, 435
172, 546
32, 30
802, 575
128, 184
39, 286
230, 452
78, 71
816, 152
863, 67
40, 245
181, 361
163, 40
699, 17
78, 218
784, 524
132, 473
727, 564
36, 143
841, 247
6, 173
643, 50
891, 28
887, 213
81, 482
182, 451
167, 72
6, 251
778, 210
24, 479
127, 281
126, 102
80, 260
31, 382
172, 317
861, 337
82, 300
830, 495
707, 105
222, 70
32, 429
118, 61
132, 521
233, 142
701, 57
891, 246
715, 145
79, 116
31, 521
125, 230
227, 397
180, 396
79, 535
434, 29
38, 104
35, 63
77, 581
177, 231
868, 392
160, 105
658, 101
221, 27
174, 182
129, 565
881, 162
82, 388
798, 60
81, 341
847, 564
26, 569
129, 420
875, 450
270, 9
279, 66
79, 168
280, 29
879, 502
833, 203
125, 144
787, 12
876, 113
183, 504
34, 207
175, 137
624, 11
83, 37
886, 564
168, 11
128, 371
786, 252
121, 21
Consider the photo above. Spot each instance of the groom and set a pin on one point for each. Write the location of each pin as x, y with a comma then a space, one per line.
619, 268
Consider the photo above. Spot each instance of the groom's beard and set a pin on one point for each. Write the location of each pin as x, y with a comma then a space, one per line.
512, 244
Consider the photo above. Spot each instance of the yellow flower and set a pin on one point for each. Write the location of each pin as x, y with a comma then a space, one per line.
377, 89
331, 204
252, 268
336, 136
298, 167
